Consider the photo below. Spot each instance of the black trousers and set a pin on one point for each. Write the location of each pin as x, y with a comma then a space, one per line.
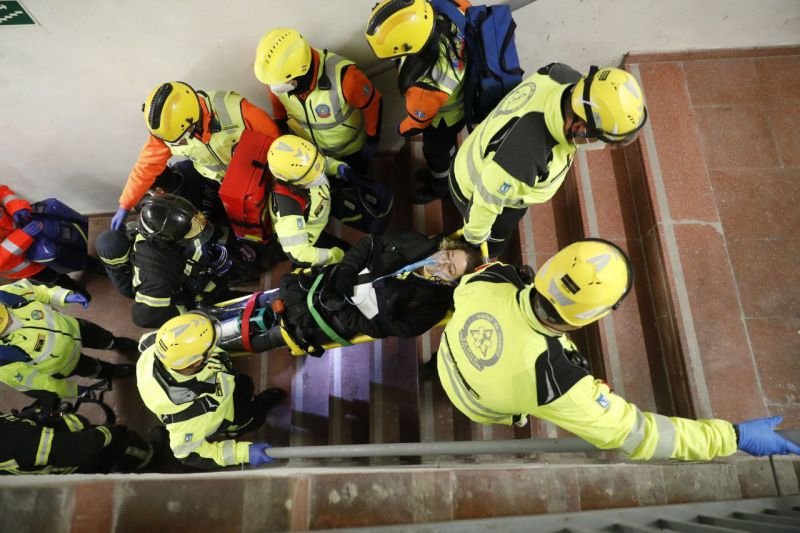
438, 143
52, 278
504, 225
248, 414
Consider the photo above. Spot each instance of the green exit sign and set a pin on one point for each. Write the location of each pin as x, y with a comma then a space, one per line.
13, 14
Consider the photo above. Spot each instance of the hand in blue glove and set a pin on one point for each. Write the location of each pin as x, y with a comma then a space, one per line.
33, 228
344, 171
258, 454
118, 220
22, 217
75, 298
370, 150
757, 437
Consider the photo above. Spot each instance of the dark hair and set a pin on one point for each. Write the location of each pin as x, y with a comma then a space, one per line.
420, 64
474, 257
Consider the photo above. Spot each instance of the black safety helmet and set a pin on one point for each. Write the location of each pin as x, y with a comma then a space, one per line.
172, 219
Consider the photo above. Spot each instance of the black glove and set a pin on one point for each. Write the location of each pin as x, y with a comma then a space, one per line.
342, 282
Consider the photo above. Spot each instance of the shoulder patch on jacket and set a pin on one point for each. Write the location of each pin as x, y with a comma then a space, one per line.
560, 73
526, 149
555, 374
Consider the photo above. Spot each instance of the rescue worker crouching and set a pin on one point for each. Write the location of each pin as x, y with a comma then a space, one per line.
203, 127
170, 264
521, 153
320, 96
300, 201
505, 355
41, 346
67, 443
432, 64
191, 385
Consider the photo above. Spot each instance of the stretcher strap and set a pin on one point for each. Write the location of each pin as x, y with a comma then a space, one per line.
335, 337
248, 312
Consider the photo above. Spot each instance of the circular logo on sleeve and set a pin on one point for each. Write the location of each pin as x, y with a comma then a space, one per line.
323, 111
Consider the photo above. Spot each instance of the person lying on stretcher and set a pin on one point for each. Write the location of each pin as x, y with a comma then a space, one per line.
397, 285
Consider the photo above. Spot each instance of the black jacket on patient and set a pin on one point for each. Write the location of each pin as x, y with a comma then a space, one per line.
406, 307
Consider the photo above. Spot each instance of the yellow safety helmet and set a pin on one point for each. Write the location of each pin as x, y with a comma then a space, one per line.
400, 27
170, 110
282, 54
295, 160
184, 340
611, 103
4, 318
583, 282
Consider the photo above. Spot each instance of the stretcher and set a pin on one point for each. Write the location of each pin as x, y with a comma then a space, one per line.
242, 318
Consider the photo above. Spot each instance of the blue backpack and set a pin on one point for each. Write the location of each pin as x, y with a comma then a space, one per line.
492, 63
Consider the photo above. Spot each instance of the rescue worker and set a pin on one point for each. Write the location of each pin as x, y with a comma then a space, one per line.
520, 154
17, 232
171, 263
41, 346
399, 284
429, 50
505, 355
300, 201
320, 96
192, 387
67, 443
199, 126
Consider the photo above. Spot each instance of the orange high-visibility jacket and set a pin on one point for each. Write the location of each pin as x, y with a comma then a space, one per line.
13, 264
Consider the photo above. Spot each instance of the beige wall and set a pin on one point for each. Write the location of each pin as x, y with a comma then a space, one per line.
71, 88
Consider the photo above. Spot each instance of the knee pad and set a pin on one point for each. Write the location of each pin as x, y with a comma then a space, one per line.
113, 247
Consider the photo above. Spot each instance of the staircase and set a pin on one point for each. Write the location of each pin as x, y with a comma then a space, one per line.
704, 204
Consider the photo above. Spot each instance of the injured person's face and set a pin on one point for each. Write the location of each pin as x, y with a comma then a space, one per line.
448, 265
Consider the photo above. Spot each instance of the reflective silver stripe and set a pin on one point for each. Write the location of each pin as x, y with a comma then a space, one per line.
465, 396
21, 266
224, 384
636, 436
45, 443
221, 110
11, 248
151, 301
10, 198
28, 385
324, 255
336, 104
475, 178
185, 449
666, 437
73, 423
293, 240
215, 168
10, 466
228, 452
115, 260
441, 78
60, 294
106, 435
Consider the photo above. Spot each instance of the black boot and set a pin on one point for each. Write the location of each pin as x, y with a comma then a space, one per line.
112, 371
436, 189
269, 398
126, 346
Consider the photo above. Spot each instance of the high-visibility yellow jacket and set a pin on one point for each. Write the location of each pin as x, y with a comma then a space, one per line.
298, 229
193, 408
497, 361
325, 116
48, 342
519, 154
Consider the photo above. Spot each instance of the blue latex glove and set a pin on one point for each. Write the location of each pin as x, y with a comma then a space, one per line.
757, 437
370, 150
344, 171
33, 228
22, 217
258, 454
75, 298
118, 220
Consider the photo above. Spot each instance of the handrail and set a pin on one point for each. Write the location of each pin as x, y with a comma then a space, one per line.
406, 449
